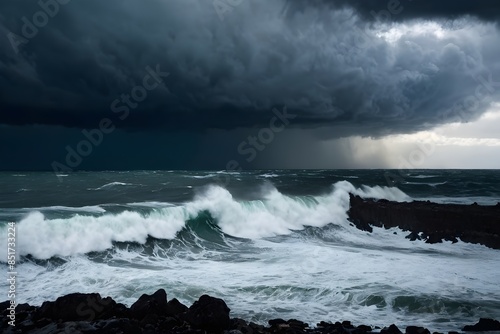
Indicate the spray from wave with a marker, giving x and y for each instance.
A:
(275, 214)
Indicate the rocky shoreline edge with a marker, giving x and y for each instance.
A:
(428, 221)
(90, 313)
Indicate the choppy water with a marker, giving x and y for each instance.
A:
(270, 243)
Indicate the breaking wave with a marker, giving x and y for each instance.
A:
(272, 215)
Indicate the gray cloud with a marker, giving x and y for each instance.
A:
(322, 60)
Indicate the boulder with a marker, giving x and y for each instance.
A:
(392, 329)
(175, 307)
(80, 307)
(150, 304)
(484, 324)
(417, 330)
(208, 313)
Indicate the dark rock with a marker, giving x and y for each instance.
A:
(347, 325)
(324, 324)
(365, 328)
(453, 239)
(233, 331)
(392, 329)
(297, 324)
(168, 323)
(40, 323)
(26, 325)
(413, 236)
(149, 319)
(175, 307)
(276, 322)
(417, 330)
(435, 238)
(150, 304)
(78, 307)
(362, 225)
(471, 223)
(484, 324)
(50, 328)
(125, 326)
(149, 329)
(256, 328)
(361, 329)
(453, 332)
(73, 327)
(241, 325)
(209, 313)
(337, 327)
(24, 308)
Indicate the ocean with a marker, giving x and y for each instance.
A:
(271, 243)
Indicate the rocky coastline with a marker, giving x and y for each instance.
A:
(90, 313)
(429, 221)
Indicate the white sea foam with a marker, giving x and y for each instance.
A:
(275, 214)
(377, 192)
(362, 281)
(201, 176)
(151, 204)
(269, 175)
(90, 209)
(423, 176)
(111, 185)
(333, 273)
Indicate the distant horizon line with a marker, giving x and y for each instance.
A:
(243, 170)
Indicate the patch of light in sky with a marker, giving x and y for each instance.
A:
(393, 33)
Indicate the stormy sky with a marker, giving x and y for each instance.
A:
(224, 84)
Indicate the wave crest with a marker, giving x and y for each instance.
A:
(274, 214)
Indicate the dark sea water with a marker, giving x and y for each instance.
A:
(270, 243)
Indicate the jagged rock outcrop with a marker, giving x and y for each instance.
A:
(430, 221)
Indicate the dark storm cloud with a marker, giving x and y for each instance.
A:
(416, 9)
(319, 59)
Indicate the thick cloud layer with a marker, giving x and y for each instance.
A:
(416, 9)
(331, 64)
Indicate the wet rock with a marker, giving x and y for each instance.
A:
(392, 329)
(168, 323)
(149, 319)
(276, 322)
(294, 323)
(413, 236)
(26, 325)
(125, 326)
(417, 330)
(78, 307)
(347, 325)
(233, 331)
(437, 222)
(362, 329)
(362, 225)
(256, 328)
(149, 304)
(175, 307)
(241, 325)
(208, 313)
(484, 324)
